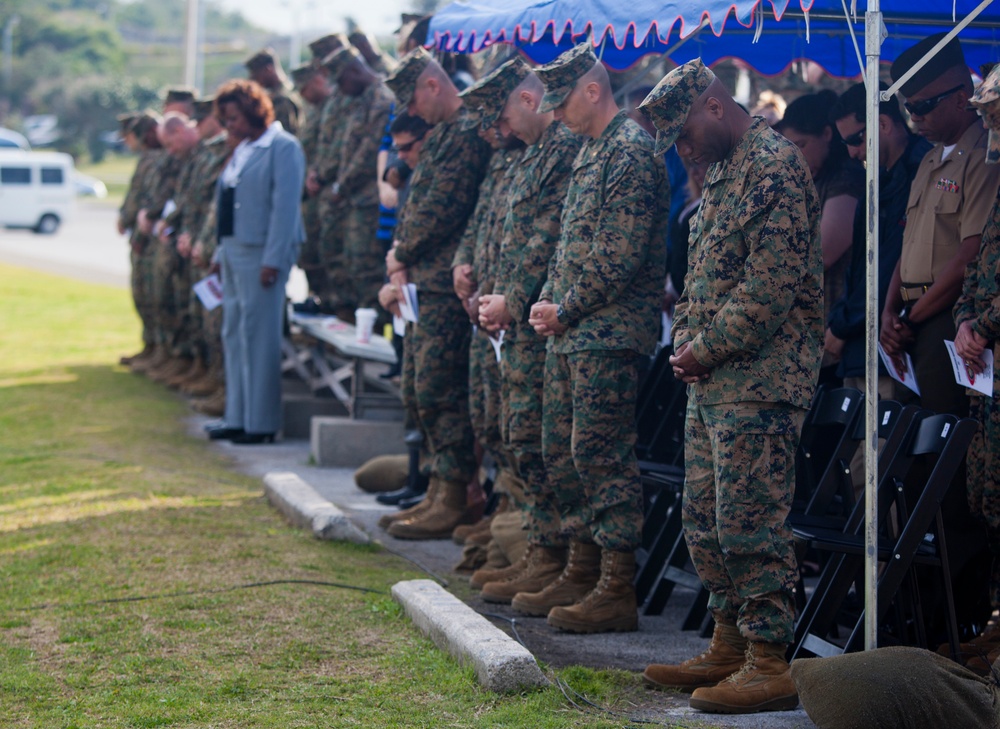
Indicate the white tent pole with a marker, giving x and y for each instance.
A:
(874, 33)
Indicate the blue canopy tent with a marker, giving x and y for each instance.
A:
(769, 35)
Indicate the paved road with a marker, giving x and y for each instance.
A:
(88, 248)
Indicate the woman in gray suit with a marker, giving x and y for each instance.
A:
(260, 232)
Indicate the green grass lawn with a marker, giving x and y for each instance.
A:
(121, 538)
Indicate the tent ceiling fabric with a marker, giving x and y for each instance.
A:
(789, 30)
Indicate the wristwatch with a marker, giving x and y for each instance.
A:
(904, 317)
(561, 316)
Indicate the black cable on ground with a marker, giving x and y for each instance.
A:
(188, 593)
(416, 563)
(589, 706)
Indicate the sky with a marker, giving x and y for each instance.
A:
(317, 17)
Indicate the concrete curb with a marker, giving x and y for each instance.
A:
(501, 663)
(297, 500)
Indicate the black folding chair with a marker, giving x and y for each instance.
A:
(827, 440)
(899, 547)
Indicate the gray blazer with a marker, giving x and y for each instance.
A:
(267, 208)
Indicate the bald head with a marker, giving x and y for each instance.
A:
(178, 134)
(435, 97)
(520, 116)
(590, 106)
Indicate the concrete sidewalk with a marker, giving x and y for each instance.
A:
(659, 638)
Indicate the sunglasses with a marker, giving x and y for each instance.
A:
(925, 107)
(404, 148)
(856, 139)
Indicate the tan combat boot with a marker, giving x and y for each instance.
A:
(193, 373)
(462, 534)
(610, 606)
(127, 359)
(173, 368)
(583, 570)
(763, 683)
(543, 567)
(490, 573)
(214, 404)
(724, 657)
(387, 520)
(158, 357)
(447, 511)
(207, 383)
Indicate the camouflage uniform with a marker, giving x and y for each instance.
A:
(752, 311)
(481, 234)
(359, 135)
(331, 215)
(530, 236)
(607, 278)
(979, 304)
(443, 192)
(208, 239)
(310, 259)
(194, 200)
(165, 260)
(138, 197)
(286, 108)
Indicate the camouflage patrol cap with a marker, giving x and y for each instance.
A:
(179, 95)
(487, 97)
(669, 102)
(301, 74)
(403, 81)
(560, 76)
(986, 101)
(947, 58)
(338, 61)
(203, 108)
(260, 59)
(323, 47)
(144, 123)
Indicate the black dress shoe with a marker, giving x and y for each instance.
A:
(245, 438)
(225, 433)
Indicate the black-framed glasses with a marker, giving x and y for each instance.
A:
(404, 148)
(925, 107)
(856, 139)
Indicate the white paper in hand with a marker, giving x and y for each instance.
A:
(496, 342)
(408, 307)
(906, 378)
(964, 376)
(209, 291)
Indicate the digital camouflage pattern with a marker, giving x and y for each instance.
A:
(327, 44)
(986, 101)
(338, 61)
(739, 480)
(286, 108)
(588, 441)
(560, 75)
(488, 96)
(443, 193)
(164, 256)
(331, 215)
(532, 226)
(435, 384)
(669, 103)
(310, 260)
(607, 275)
(482, 233)
(359, 136)
(193, 209)
(138, 196)
(610, 264)
(530, 235)
(211, 321)
(979, 304)
(752, 306)
(403, 80)
(752, 311)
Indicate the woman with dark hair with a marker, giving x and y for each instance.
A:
(260, 231)
(840, 182)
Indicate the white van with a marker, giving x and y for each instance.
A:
(36, 190)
